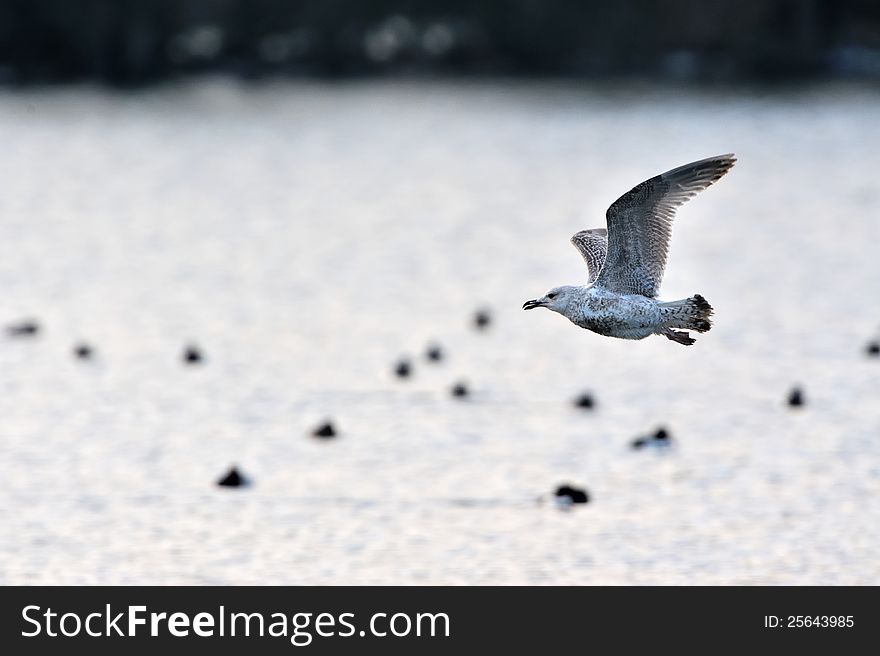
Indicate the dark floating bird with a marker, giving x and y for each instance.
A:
(233, 478)
(659, 439)
(459, 391)
(83, 351)
(403, 369)
(192, 355)
(23, 329)
(873, 349)
(585, 401)
(796, 398)
(482, 319)
(325, 430)
(566, 494)
(434, 353)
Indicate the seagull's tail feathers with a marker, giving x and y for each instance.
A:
(692, 313)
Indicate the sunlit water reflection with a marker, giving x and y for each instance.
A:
(308, 235)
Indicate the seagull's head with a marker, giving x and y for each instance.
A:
(557, 299)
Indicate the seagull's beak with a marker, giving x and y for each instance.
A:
(531, 305)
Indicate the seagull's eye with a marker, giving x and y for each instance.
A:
(551, 296)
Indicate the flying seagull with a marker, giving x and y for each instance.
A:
(626, 262)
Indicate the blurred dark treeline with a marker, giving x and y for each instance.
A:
(131, 42)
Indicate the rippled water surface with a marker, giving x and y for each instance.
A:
(307, 235)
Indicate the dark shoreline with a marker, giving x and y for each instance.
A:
(133, 43)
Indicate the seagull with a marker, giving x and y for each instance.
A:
(627, 260)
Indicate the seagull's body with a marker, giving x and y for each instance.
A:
(629, 316)
(627, 261)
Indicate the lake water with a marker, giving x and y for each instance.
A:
(307, 235)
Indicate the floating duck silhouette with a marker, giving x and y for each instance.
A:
(23, 329)
(192, 355)
(325, 430)
(482, 319)
(585, 401)
(434, 353)
(459, 390)
(403, 369)
(233, 478)
(567, 495)
(659, 439)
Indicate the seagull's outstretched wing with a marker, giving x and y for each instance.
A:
(593, 246)
(640, 224)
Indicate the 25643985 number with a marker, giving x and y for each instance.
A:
(820, 621)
